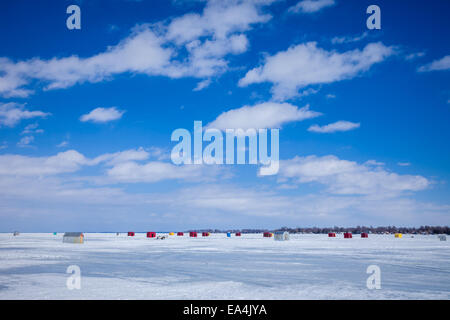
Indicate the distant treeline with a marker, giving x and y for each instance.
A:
(355, 230)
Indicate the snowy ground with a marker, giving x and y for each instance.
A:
(33, 266)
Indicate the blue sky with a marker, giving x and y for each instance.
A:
(86, 115)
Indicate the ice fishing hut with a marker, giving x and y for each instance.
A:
(238, 234)
(398, 235)
(229, 234)
(73, 237)
(171, 233)
(130, 233)
(193, 234)
(205, 234)
(331, 235)
(281, 236)
(267, 234)
(442, 237)
(180, 234)
(16, 233)
(151, 234)
(348, 235)
(364, 235)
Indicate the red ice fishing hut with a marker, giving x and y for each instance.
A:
(130, 234)
(151, 234)
(180, 234)
(193, 234)
(332, 235)
(238, 234)
(364, 235)
(205, 234)
(347, 235)
(267, 234)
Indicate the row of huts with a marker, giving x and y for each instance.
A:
(280, 235)
(78, 237)
(348, 235)
(193, 234)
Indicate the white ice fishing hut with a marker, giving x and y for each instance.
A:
(73, 237)
(281, 236)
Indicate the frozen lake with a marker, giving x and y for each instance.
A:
(33, 266)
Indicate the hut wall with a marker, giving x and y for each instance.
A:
(73, 239)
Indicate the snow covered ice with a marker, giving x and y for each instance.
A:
(33, 266)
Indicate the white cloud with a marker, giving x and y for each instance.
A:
(310, 6)
(122, 156)
(17, 165)
(202, 85)
(25, 141)
(267, 115)
(32, 129)
(437, 65)
(404, 164)
(307, 92)
(12, 113)
(129, 166)
(206, 59)
(193, 45)
(219, 18)
(102, 115)
(306, 64)
(374, 163)
(348, 39)
(334, 127)
(349, 177)
(152, 171)
(235, 199)
(413, 56)
(63, 162)
(225, 200)
(141, 52)
(210, 36)
(62, 144)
